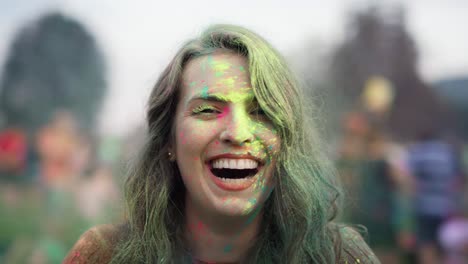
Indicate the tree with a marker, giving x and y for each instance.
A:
(378, 44)
(54, 64)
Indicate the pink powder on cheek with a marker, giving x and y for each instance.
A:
(182, 138)
(224, 112)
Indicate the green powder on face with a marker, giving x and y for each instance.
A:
(204, 92)
(219, 67)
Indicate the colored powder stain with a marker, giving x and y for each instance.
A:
(227, 248)
(182, 138)
(204, 92)
(248, 206)
(227, 82)
(219, 67)
(196, 158)
(209, 60)
(252, 217)
(235, 95)
(224, 112)
(241, 68)
(227, 201)
(192, 84)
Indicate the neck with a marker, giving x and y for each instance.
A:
(215, 238)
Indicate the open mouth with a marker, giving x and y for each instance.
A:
(234, 168)
(234, 173)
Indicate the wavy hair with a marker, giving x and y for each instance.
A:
(297, 219)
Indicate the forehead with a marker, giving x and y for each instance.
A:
(216, 65)
(221, 73)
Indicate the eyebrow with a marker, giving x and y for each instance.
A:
(219, 98)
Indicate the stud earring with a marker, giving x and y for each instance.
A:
(170, 156)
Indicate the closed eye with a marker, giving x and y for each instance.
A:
(205, 109)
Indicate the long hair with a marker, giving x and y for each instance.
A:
(296, 225)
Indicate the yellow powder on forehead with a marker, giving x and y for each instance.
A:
(226, 82)
(244, 94)
(220, 67)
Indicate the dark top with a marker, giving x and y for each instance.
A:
(97, 245)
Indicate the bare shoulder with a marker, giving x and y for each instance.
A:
(354, 249)
(95, 246)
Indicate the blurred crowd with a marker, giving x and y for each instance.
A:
(57, 178)
(55, 185)
(411, 196)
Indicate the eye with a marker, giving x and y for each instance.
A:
(205, 110)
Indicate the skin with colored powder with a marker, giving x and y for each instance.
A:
(221, 117)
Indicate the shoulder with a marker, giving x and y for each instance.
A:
(96, 245)
(353, 248)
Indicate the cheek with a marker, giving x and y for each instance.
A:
(193, 136)
(270, 141)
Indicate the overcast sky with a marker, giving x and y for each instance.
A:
(139, 38)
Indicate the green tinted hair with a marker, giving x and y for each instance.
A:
(297, 215)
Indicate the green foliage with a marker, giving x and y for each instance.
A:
(54, 64)
(378, 44)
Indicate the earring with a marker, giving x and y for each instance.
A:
(170, 156)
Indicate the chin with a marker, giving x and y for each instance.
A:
(240, 206)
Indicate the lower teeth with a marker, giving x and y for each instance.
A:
(232, 180)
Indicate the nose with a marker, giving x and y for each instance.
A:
(238, 129)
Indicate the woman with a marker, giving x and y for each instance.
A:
(230, 172)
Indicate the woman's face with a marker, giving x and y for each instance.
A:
(225, 146)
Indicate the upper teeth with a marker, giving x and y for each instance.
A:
(239, 164)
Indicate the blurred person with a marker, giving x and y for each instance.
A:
(97, 193)
(371, 178)
(403, 216)
(56, 143)
(229, 173)
(435, 166)
(62, 158)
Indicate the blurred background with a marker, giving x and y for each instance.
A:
(389, 79)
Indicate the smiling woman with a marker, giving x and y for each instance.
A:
(231, 171)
